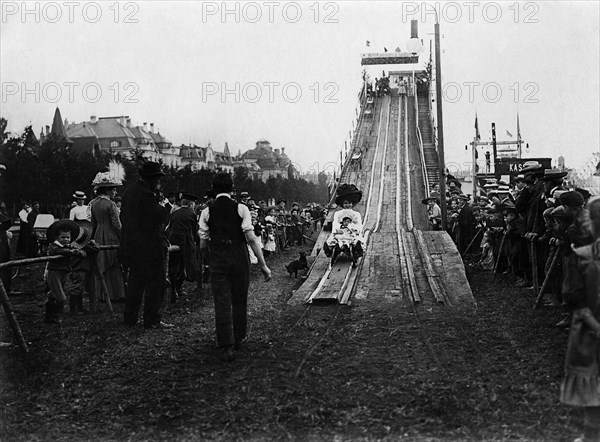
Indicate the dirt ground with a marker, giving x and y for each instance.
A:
(361, 372)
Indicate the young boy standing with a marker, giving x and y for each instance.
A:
(66, 276)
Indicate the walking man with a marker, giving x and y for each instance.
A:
(183, 232)
(226, 229)
(143, 247)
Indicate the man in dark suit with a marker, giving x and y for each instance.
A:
(226, 229)
(182, 231)
(466, 223)
(143, 248)
(32, 243)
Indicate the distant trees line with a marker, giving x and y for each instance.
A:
(51, 173)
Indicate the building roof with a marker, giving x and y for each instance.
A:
(158, 138)
(58, 129)
(141, 134)
(103, 128)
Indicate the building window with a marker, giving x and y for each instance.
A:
(115, 144)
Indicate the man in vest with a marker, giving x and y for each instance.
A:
(226, 229)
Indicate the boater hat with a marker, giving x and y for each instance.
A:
(532, 167)
(554, 174)
(79, 195)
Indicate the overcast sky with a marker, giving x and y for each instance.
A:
(292, 70)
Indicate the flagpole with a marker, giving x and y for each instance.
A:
(519, 152)
(474, 162)
(440, 125)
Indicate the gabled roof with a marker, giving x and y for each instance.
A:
(140, 134)
(192, 153)
(104, 128)
(158, 138)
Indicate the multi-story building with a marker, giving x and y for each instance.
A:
(263, 162)
(117, 135)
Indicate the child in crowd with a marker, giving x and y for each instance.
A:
(581, 289)
(66, 276)
(487, 256)
(269, 238)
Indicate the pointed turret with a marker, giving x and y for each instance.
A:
(226, 150)
(58, 132)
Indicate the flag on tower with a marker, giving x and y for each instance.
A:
(477, 136)
(368, 43)
(508, 133)
(518, 129)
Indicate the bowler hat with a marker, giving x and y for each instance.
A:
(79, 195)
(464, 197)
(584, 193)
(571, 199)
(151, 169)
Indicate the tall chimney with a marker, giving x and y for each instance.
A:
(283, 151)
(145, 125)
(128, 122)
(93, 119)
(151, 127)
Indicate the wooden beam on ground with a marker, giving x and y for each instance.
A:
(12, 319)
(430, 271)
(408, 274)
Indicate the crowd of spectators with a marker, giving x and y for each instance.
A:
(524, 229)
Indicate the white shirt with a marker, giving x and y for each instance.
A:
(79, 213)
(243, 212)
(23, 214)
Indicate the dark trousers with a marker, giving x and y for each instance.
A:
(229, 279)
(146, 280)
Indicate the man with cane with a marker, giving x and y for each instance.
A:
(531, 200)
